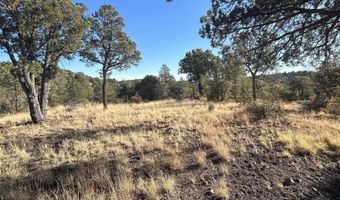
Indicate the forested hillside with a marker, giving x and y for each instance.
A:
(70, 88)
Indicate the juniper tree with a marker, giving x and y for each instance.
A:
(36, 34)
(166, 79)
(297, 27)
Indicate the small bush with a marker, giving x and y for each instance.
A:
(333, 107)
(71, 106)
(211, 107)
(316, 104)
(264, 110)
(136, 99)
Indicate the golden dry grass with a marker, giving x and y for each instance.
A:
(139, 149)
(159, 133)
(307, 133)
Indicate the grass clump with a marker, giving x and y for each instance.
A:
(264, 110)
(310, 144)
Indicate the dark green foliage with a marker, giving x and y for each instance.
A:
(327, 89)
(301, 88)
(327, 80)
(149, 88)
(179, 90)
(12, 99)
(264, 110)
(108, 45)
(166, 80)
(197, 64)
(36, 34)
(80, 89)
(298, 28)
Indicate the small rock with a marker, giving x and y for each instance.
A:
(288, 182)
(169, 131)
(297, 180)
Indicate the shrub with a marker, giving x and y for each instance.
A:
(316, 104)
(264, 110)
(136, 99)
(333, 107)
(211, 107)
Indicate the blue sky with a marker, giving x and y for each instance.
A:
(163, 31)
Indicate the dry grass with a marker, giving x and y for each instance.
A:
(201, 157)
(148, 139)
(221, 188)
(139, 150)
(307, 133)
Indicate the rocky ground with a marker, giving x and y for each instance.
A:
(260, 172)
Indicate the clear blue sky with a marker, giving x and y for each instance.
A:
(163, 31)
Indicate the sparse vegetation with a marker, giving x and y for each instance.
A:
(233, 129)
(78, 146)
(264, 110)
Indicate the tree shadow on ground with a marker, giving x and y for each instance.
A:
(328, 186)
(73, 177)
(57, 138)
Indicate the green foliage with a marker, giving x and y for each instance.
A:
(12, 99)
(179, 90)
(298, 28)
(126, 90)
(197, 65)
(149, 88)
(264, 110)
(301, 88)
(333, 106)
(36, 34)
(79, 89)
(107, 44)
(166, 80)
(327, 89)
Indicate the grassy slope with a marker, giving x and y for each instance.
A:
(159, 150)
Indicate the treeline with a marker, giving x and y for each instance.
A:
(36, 36)
(72, 88)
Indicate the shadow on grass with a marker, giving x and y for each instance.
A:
(56, 138)
(74, 178)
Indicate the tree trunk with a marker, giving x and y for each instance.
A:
(253, 76)
(44, 92)
(200, 87)
(104, 90)
(35, 112)
(27, 82)
(16, 98)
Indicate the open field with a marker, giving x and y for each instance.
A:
(169, 150)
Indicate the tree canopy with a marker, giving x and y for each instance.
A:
(196, 64)
(108, 45)
(298, 28)
(36, 34)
